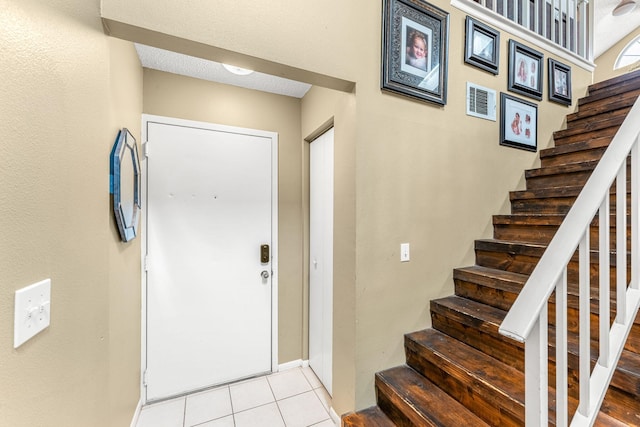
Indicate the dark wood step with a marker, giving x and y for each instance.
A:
(577, 152)
(500, 289)
(554, 200)
(477, 324)
(523, 257)
(530, 228)
(370, 417)
(605, 105)
(610, 89)
(410, 399)
(491, 389)
(621, 79)
(590, 126)
(596, 122)
(575, 174)
(563, 137)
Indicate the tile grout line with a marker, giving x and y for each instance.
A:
(276, 400)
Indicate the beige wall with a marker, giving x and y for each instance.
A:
(606, 61)
(63, 99)
(187, 98)
(420, 173)
(321, 108)
(405, 172)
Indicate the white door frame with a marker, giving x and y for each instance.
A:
(146, 118)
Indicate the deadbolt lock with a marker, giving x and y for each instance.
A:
(264, 254)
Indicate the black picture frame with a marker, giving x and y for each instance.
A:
(404, 70)
(518, 123)
(559, 82)
(525, 70)
(482, 46)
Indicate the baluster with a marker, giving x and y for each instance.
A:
(585, 338)
(536, 380)
(605, 283)
(562, 410)
(635, 216)
(621, 245)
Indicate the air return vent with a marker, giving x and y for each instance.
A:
(481, 102)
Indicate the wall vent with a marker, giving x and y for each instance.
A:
(481, 102)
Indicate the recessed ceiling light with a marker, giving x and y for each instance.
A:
(625, 6)
(237, 70)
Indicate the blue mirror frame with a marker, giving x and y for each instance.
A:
(125, 184)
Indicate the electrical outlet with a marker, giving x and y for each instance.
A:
(32, 311)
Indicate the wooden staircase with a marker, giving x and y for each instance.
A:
(462, 372)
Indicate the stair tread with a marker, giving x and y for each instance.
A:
(588, 144)
(369, 417)
(585, 166)
(611, 124)
(614, 81)
(429, 403)
(498, 376)
(488, 320)
(604, 105)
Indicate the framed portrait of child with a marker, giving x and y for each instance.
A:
(414, 50)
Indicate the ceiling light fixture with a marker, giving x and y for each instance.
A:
(624, 7)
(237, 70)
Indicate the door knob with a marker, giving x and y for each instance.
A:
(264, 274)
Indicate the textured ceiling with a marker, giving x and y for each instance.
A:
(609, 30)
(177, 63)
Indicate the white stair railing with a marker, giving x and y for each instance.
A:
(527, 320)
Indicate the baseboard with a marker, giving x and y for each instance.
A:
(335, 417)
(136, 414)
(290, 365)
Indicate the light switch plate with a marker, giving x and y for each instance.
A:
(32, 311)
(405, 255)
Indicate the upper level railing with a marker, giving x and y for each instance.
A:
(565, 23)
(527, 321)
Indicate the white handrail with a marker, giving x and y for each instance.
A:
(529, 312)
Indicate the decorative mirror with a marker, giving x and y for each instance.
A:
(125, 184)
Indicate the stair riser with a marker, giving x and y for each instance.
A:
(395, 408)
(573, 157)
(543, 234)
(601, 121)
(609, 93)
(558, 180)
(484, 401)
(504, 300)
(508, 259)
(487, 339)
(603, 106)
(541, 178)
(551, 205)
(560, 138)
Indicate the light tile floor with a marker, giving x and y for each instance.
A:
(291, 398)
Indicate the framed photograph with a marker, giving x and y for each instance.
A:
(559, 82)
(482, 46)
(518, 123)
(414, 50)
(525, 70)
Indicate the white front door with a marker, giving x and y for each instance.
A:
(210, 209)
(321, 258)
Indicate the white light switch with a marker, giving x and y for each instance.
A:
(32, 311)
(404, 252)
